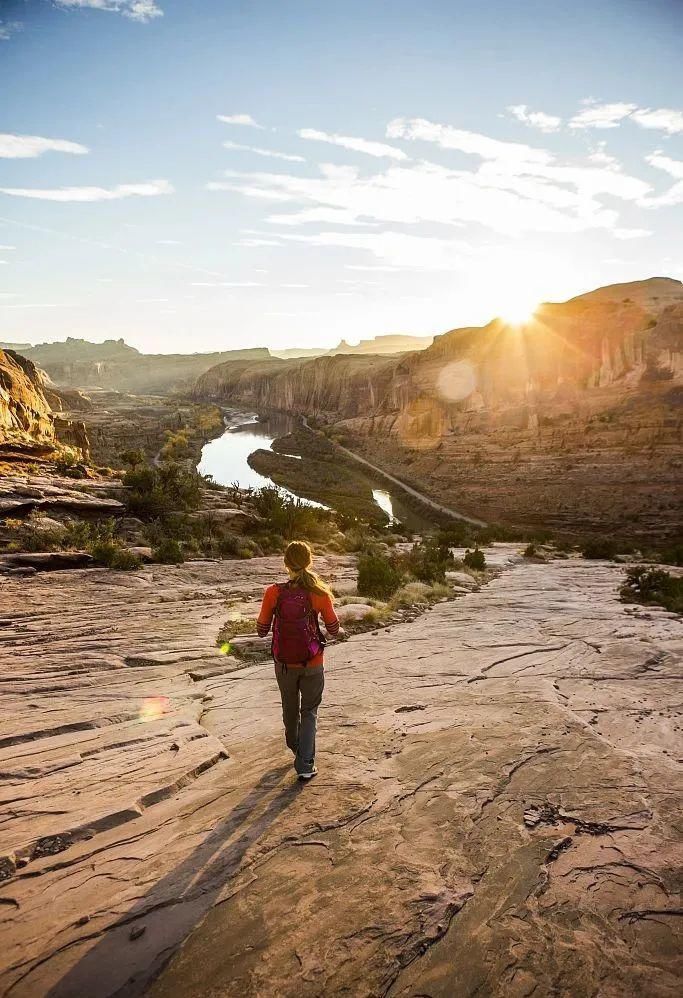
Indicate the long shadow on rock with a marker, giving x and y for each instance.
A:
(135, 949)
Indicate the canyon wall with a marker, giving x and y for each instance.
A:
(29, 428)
(571, 421)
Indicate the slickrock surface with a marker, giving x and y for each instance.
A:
(496, 810)
(21, 493)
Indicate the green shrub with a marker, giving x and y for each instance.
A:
(112, 555)
(429, 560)
(673, 554)
(599, 548)
(155, 491)
(168, 552)
(132, 457)
(291, 517)
(475, 559)
(653, 586)
(377, 576)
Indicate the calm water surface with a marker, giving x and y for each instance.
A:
(226, 457)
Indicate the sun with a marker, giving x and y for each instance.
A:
(518, 311)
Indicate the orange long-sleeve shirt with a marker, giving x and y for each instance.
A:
(322, 606)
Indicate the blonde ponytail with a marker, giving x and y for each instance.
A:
(298, 558)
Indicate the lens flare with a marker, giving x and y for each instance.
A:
(153, 708)
(456, 381)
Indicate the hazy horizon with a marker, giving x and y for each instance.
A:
(202, 177)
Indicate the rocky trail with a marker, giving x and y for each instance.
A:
(497, 809)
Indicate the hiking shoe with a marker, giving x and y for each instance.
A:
(309, 774)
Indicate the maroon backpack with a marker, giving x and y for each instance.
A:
(296, 634)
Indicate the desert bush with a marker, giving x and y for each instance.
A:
(429, 560)
(132, 457)
(232, 628)
(456, 534)
(530, 551)
(357, 537)
(85, 533)
(168, 552)
(154, 491)
(377, 576)
(291, 517)
(475, 559)
(653, 586)
(177, 445)
(112, 555)
(672, 554)
(598, 548)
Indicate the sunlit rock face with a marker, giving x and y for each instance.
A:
(28, 424)
(25, 415)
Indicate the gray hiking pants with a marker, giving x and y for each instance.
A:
(301, 691)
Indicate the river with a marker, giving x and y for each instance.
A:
(225, 458)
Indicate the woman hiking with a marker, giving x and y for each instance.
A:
(294, 609)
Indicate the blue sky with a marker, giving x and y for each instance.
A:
(208, 174)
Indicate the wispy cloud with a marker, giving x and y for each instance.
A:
(508, 196)
(252, 243)
(239, 119)
(3, 248)
(40, 305)
(326, 216)
(663, 118)
(83, 194)
(240, 188)
(9, 28)
(631, 233)
(225, 284)
(378, 149)
(419, 129)
(535, 119)
(674, 167)
(136, 10)
(596, 115)
(264, 152)
(396, 249)
(30, 146)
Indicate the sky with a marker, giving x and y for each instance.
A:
(197, 175)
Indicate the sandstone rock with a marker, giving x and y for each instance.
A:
(353, 611)
(462, 579)
(47, 561)
(237, 519)
(141, 551)
(436, 739)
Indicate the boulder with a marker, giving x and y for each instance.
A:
(142, 552)
(353, 611)
(237, 519)
(46, 561)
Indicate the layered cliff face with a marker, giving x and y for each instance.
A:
(571, 420)
(26, 421)
(28, 425)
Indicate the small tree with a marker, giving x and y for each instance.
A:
(475, 559)
(377, 576)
